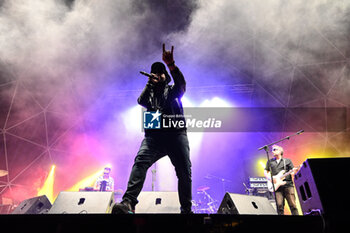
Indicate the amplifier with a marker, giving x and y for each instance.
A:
(83, 202)
(257, 182)
(158, 202)
(257, 179)
(243, 204)
(34, 205)
(258, 185)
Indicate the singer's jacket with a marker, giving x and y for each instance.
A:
(166, 99)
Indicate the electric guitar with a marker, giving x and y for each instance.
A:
(279, 179)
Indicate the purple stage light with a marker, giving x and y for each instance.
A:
(215, 102)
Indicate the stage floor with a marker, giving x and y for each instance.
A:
(165, 223)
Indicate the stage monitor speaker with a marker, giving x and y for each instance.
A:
(321, 185)
(158, 202)
(244, 204)
(83, 203)
(35, 205)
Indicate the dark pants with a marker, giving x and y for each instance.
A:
(154, 147)
(288, 194)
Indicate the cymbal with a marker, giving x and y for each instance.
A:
(3, 173)
(203, 188)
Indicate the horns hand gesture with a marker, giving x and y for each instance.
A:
(168, 56)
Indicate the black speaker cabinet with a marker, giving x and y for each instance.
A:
(83, 202)
(245, 204)
(322, 185)
(158, 202)
(35, 205)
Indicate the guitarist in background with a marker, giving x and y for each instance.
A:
(286, 191)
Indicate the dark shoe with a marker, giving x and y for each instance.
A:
(186, 211)
(123, 207)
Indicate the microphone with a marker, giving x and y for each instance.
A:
(246, 188)
(300, 132)
(146, 74)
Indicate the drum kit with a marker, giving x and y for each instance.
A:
(205, 204)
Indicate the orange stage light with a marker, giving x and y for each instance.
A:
(47, 188)
(87, 181)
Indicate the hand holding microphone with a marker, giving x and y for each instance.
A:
(151, 77)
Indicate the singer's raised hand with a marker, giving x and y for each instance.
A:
(168, 56)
